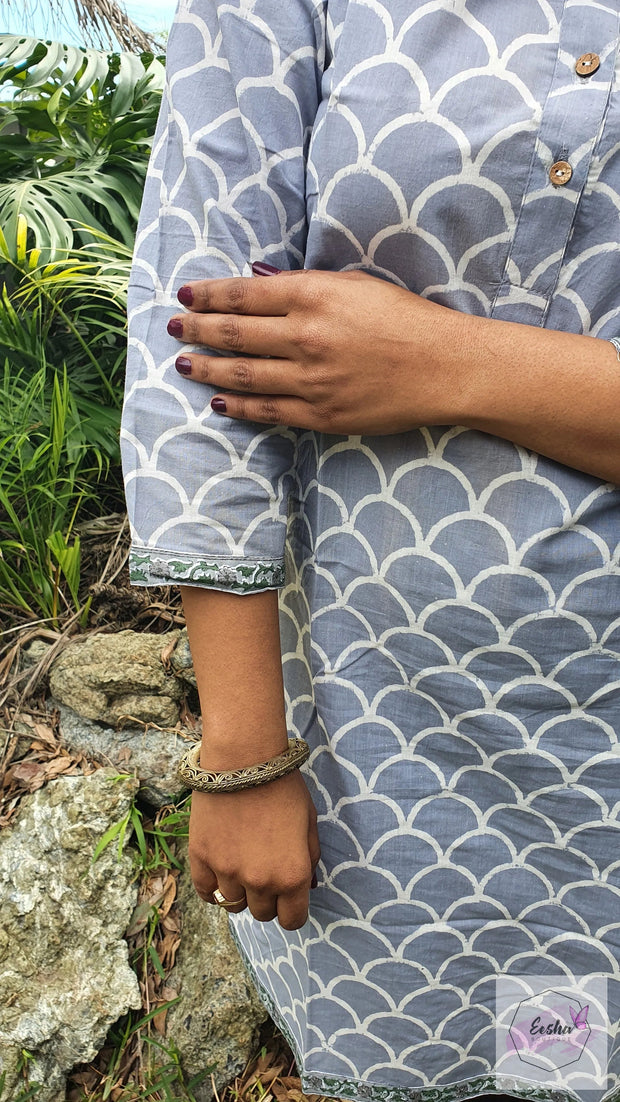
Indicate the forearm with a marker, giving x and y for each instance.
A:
(555, 393)
(235, 645)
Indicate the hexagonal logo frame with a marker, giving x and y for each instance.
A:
(550, 1029)
(554, 1031)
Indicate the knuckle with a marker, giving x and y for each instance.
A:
(258, 882)
(203, 891)
(294, 880)
(237, 295)
(268, 410)
(330, 414)
(196, 853)
(243, 375)
(230, 332)
(311, 289)
(226, 870)
(310, 341)
(202, 295)
(190, 328)
(201, 368)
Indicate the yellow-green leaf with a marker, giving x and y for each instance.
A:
(21, 237)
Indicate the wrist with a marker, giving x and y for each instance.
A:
(444, 359)
(235, 749)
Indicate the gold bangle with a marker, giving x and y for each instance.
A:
(230, 780)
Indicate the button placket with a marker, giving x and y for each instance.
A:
(572, 115)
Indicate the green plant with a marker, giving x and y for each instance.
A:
(30, 1090)
(76, 129)
(46, 469)
(165, 1079)
(77, 305)
(174, 824)
(74, 141)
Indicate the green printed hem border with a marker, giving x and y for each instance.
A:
(242, 576)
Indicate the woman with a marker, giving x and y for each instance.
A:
(393, 464)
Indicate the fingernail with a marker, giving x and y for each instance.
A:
(186, 296)
(175, 327)
(260, 268)
(314, 882)
(219, 405)
(183, 365)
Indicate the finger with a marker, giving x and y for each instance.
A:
(234, 891)
(271, 376)
(260, 336)
(203, 879)
(271, 297)
(267, 409)
(293, 907)
(262, 903)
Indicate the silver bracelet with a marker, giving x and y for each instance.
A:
(616, 343)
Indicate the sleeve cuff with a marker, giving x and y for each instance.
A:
(148, 567)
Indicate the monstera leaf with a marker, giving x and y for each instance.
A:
(75, 138)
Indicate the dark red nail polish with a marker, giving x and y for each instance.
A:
(219, 405)
(314, 882)
(186, 296)
(183, 365)
(175, 327)
(260, 268)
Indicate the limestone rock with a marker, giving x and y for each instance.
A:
(219, 1013)
(152, 755)
(64, 971)
(34, 652)
(119, 678)
(182, 662)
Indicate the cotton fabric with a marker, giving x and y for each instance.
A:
(449, 601)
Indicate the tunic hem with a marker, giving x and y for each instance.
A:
(338, 1086)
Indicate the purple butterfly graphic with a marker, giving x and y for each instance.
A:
(580, 1020)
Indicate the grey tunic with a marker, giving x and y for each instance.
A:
(450, 602)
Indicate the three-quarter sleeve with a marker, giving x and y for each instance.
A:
(206, 495)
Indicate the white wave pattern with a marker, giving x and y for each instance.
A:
(450, 602)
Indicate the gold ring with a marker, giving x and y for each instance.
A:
(223, 902)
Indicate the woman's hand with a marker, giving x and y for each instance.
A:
(262, 841)
(346, 352)
(356, 355)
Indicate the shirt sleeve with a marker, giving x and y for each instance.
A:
(207, 496)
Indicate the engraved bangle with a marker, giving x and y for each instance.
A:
(231, 780)
(616, 343)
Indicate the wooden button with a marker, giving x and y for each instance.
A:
(587, 64)
(560, 173)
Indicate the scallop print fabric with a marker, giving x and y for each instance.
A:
(449, 602)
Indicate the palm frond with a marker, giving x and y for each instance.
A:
(105, 24)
